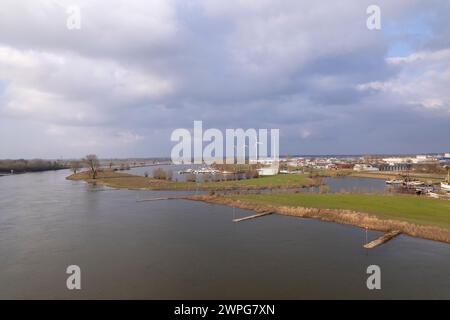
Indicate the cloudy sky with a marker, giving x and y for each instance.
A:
(137, 70)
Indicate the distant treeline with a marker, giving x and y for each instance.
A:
(19, 166)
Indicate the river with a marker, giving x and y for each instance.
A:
(186, 250)
(338, 184)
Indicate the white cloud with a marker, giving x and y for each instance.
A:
(424, 80)
(71, 89)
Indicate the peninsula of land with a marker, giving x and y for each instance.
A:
(416, 216)
(121, 180)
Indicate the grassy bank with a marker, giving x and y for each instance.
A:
(413, 209)
(127, 181)
(416, 216)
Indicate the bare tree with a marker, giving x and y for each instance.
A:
(93, 164)
(191, 177)
(251, 173)
(159, 174)
(75, 166)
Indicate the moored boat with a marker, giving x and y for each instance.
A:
(414, 183)
(445, 186)
(186, 171)
(433, 195)
(394, 181)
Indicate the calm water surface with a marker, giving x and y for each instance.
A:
(356, 184)
(338, 184)
(181, 249)
(141, 171)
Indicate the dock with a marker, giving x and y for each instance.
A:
(384, 238)
(161, 198)
(253, 216)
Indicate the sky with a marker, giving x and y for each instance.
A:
(137, 70)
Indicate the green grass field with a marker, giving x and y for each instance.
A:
(414, 209)
(273, 181)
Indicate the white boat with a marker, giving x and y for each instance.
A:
(270, 171)
(424, 189)
(394, 181)
(433, 195)
(445, 186)
(414, 183)
(205, 170)
(186, 171)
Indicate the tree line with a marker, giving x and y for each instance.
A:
(35, 165)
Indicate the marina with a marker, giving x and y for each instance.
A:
(203, 170)
(445, 185)
(434, 190)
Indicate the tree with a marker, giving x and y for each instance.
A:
(252, 173)
(169, 175)
(93, 164)
(159, 174)
(191, 177)
(75, 166)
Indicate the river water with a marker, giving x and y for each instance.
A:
(186, 250)
(338, 184)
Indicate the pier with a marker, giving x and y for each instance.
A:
(384, 238)
(161, 198)
(253, 216)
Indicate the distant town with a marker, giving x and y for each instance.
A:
(370, 162)
(364, 163)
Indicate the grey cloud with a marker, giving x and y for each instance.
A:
(139, 69)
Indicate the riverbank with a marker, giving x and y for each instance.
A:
(127, 181)
(414, 216)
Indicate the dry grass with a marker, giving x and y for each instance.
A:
(350, 217)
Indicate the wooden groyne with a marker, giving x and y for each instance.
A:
(161, 198)
(348, 217)
(384, 238)
(253, 216)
